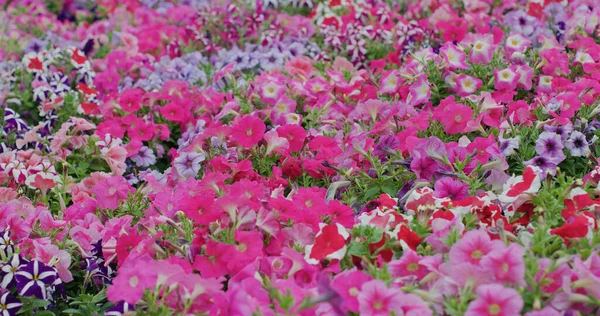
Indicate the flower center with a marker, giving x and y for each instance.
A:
(353, 291)
(242, 247)
(112, 191)
(458, 118)
(477, 254)
(377, 305)
(133, 281)
(249, 132)
(412, 267)
(494, 309)
(505, 267)
(478, 46)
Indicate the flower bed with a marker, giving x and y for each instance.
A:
(298, 157)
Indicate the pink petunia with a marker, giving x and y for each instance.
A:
(507, 264)
(131, 282)
(248, 131)
(110, 191)
(453, 56)
(466, 85)
(295, 134)
(348, 285)
(471, 248)
(495, 300)
(453, 116)
(506, 79)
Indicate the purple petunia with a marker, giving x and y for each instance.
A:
(119, 309)
(9, 305)
(509, 145)
(7, 247)
(578, 145)
(547, 165)
(10, 269)
(34, 278)
(188, 163)
(550, 145)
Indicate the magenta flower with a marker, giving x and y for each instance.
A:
(248, 131)
(131, 281)
(347, 285)
(110, 191)
(495, 300)
(448, 187)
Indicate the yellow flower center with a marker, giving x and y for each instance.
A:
(133, 282)
(476, 254)
(377, 305)
(412, 267)
(494, 309)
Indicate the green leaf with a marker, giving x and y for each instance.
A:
(390, 189)
(371, 192)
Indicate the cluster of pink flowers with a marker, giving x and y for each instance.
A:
(293, 157)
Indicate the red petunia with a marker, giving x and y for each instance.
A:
(330, 243)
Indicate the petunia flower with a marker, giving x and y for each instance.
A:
(577, 144)
(188, 163)
(466, 85)
(9, 305)
(248, 131)
(506, 79)
(495, 299)
(550, 145)
(471, 248)
(110, 191)
(454, 56)
(507, 264)
(132, 280)
(348, 285)
(509, 145)
(330, 243)
(33, 279)
(120, 309)
(10, 269)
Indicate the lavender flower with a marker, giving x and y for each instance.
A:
(144, 158)
(33, 279)
(547, 165)
(562, 130)
(271, 60)
(550, 145)
(9, 305)
(519, 21)
(509, 145)
(578, 145)
(188, 163)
